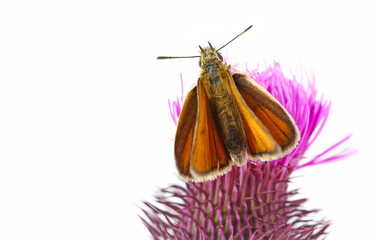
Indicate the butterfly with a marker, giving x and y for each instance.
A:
(226, 119)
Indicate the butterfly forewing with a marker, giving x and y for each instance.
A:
(184, 134)
(269, 111)
(261, 144)
(209, 157)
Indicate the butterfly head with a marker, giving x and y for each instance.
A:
(209, 55)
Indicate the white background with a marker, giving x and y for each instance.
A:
(85, 131)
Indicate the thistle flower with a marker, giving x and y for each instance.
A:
(251, 201)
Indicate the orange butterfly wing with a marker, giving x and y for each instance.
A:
(199, 151)
(261, 144)
(209, 157)
(270, 113)
(184, 134)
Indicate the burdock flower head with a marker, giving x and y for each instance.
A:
(251, 201)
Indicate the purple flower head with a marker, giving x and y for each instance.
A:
(251, 201)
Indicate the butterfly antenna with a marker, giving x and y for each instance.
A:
(167, 57)
(235, 38)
